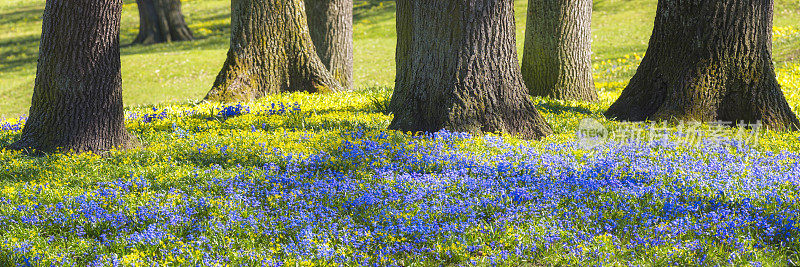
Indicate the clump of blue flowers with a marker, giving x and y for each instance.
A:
(233, 111)
(149, 115)
(283, 108)
(12, 127)
(155, 115)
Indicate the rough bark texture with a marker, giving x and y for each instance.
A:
(331, 26)
(161, 21)
(457, 69)
(708, 61)
(271, 52)
(557, 60)
(77, 97)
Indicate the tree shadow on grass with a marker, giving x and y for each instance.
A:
(19, 52)
(21, 173)
(22, 15)
(218, 38)
(367, 8)
(559, 108)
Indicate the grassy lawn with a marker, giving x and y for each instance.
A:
(302, 179)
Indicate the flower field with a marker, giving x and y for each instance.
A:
(318, 180)
(303, 179)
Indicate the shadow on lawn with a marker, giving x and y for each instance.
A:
(217, 38)
(20, 52)
(22, 15)
(367, 8)
(23, 51)
(558, 108)
(21, 174)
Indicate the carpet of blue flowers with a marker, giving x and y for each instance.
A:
(302, 179)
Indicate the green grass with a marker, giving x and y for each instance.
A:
(181, 71)
(151, 74)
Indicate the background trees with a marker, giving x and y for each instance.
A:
(557, 60)
(331, 25)
(161, 21)
(457, 69)
(77, 98)
(708, 61)
(270, 52)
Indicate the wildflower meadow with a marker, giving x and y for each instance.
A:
(301, 179)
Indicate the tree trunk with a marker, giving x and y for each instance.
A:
(708, 61)
(271, 52)
(457, 69)
(331, 26)
(557, 60)
(161, 21)
(77, 96)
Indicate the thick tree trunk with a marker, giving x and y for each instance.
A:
(271, 52)
(331, 26)
(77, 96)
(708, 61)
(161, 21)
(457, 69)
(557, 60)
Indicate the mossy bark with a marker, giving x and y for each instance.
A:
(457, 69)
(708, 61)
(331, 26)
(270, 52)
(77, 95)
(161, 21)
(557, 60)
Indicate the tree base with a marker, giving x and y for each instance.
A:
(708, 61)
(458, 70)
(557, 59)
(270, 53)
(698, 97)
(161, 21)
(242, 83)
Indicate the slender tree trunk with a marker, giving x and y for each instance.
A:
(331, 26)
(457, 69)
(708, 61)
(557, 60)
(161, 21)
(77, 96)
(271, 52)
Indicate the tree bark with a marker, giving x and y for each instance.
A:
(457, 69)
(77, 96)
(271, 52)
(708, 61)
(557, 60)
(331, 26)
(161, 21)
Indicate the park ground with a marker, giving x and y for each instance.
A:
(302, 179)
